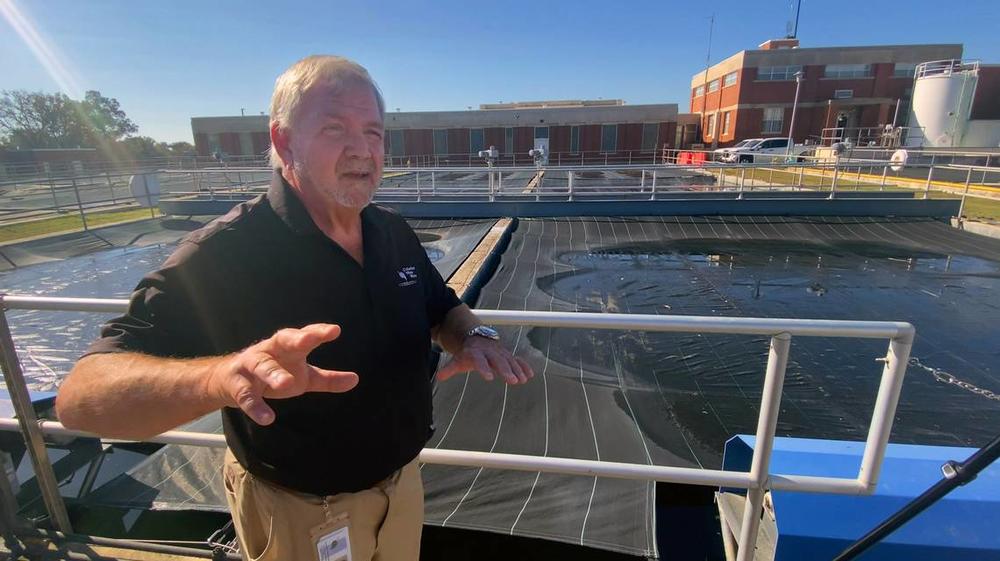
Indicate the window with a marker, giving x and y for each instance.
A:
(725, 122)
(713, 86)
(771, 73)
(773, 143)
(475, 140)
(710, 129)
(396, 146)
(574, 139)
(441, 141)
(773, 117)
(699, 91)
(650, 133)
(609, 138)
(847, 71)
(729, 80)
(903, 70)
(843, 94)
(214, 146)
(541, 132)
(508, 140)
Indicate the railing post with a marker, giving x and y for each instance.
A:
(417, 174)
(930, 174)
(893, 372)
(111, 187)
(570, 185)
(79, 205)
(965, 194)
(653, 194)
(433, 184)
(52, 188)
(145, 188)
(885, 169)
(642, 181)
(770, 404)
(984, 168)
(18, 390)
(802, 168)
(836, 173)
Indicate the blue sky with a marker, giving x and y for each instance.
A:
(169, 60)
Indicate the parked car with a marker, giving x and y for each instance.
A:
(761, 150)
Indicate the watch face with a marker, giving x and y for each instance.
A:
(488, 332)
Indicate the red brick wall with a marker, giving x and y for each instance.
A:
(559, 139)
(590, 138)
(524, 140)
(629, 137)
(261, 142)
(418, 142)
(458, 141)
(493, 136)
(201, 144)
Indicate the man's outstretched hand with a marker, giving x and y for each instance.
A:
(276, 368)
(490, 359)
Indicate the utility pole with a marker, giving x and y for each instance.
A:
(704, 86)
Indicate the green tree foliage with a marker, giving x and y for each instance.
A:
(39, 120)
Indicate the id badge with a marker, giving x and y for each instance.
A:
(333, 540)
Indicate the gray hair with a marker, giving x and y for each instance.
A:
(306, 73)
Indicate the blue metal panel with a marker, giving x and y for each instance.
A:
(963, 525)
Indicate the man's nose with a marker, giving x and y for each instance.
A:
(355, 144)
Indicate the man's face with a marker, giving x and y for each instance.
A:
(336, 144)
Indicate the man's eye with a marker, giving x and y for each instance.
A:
(375, 133)
(333, 128)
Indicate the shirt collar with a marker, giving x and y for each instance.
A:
(286, 204)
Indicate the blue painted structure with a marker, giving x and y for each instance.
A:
(963, 525)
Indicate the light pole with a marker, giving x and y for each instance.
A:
(795, 106)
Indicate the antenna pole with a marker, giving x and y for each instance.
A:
(795, 29)
(704, 86)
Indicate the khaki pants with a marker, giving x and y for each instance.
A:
(273, 523)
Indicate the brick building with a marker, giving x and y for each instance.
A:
(751, 93)
(568, 129)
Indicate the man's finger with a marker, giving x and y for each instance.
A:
(271, 373)
(515, 367)
(483, 366)
(525, 367)
(252, 403)
(335, 381)
(453, 367)
(500, 366)
(306, 339)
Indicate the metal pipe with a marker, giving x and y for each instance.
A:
(79, 205)
(767, 420)
(703, 324)
(28, 425)
(955, 475)
(134, 545)
(965, 195)
(893, 372)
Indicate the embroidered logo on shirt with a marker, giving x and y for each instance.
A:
(407, 275)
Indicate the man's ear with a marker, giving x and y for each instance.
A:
(282, 142)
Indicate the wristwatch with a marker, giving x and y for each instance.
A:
(484, 331)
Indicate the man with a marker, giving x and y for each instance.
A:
(306, 315)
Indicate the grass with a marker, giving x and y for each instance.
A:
(69, 223)
(976, 208)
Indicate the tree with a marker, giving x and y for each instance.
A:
(104, 117)
(39, 120)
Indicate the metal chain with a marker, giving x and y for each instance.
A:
(942, 376)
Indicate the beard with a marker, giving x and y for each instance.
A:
(350, 193)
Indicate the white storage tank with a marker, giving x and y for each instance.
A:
(942, 100)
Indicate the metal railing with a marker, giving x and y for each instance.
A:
(757, 481)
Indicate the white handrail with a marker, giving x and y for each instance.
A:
(757, 481)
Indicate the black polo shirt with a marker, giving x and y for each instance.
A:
(265, 266)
